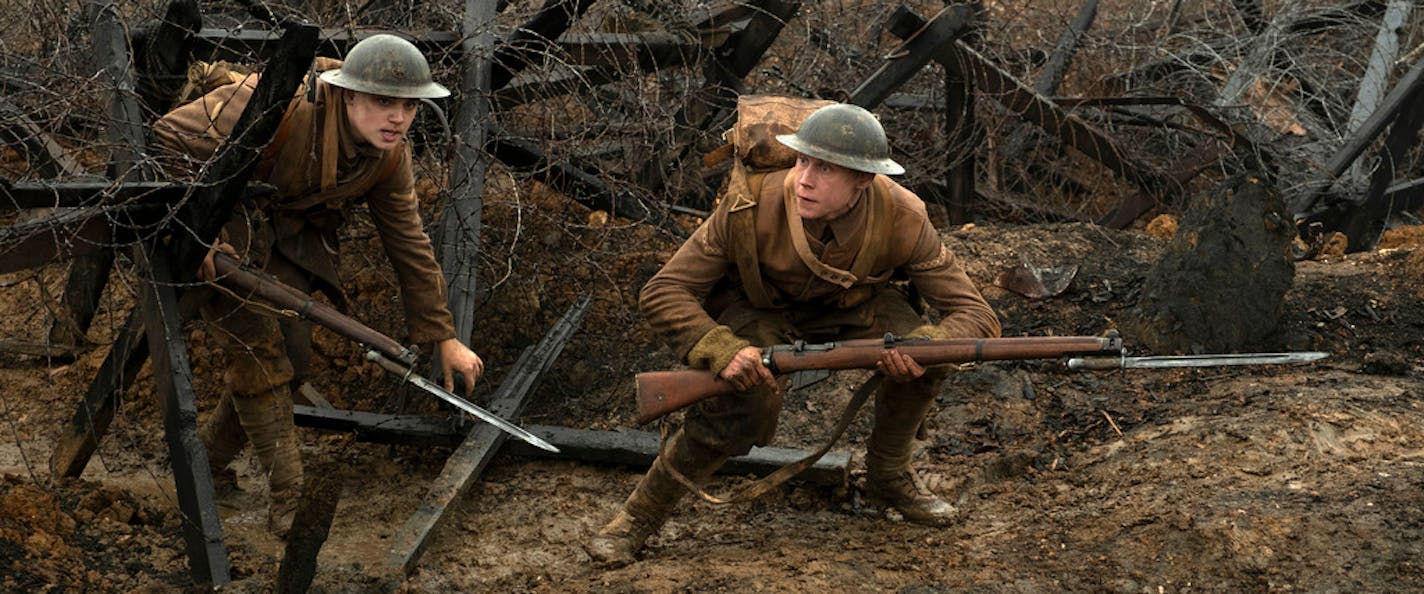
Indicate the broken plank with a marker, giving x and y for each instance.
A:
(526, 44)
(80, 438)
(45, 156)
(1397, 98)
(480, 445)
(631, 448)
(1021, 100)
(912, 55)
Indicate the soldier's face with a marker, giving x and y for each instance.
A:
(379, 120)
(824, 190)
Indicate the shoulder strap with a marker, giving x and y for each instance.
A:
(269, 154)
(744, 191)
(771, 481)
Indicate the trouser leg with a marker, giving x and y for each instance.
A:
(899, 410)
(224, 438)
(652, 502)
(257, 377)
(267, 420)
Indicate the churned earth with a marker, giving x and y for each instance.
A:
(1227, 479)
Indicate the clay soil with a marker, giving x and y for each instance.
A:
(1276, 478)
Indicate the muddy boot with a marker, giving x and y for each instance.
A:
(618, 543)
(899, 409)
(224, 438)
(267, 419)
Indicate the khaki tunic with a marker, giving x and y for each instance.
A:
(317, 168)
(305, 214)
(819, 275)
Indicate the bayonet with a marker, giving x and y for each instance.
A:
(469, 407)
(1194, 360)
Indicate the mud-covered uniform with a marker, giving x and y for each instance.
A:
(317, 166)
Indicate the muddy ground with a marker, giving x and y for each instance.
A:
(1280, 478)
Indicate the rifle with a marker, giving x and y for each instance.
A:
(382, 350)
(662, 392)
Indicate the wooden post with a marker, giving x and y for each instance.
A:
(202, 526)
(459, 242)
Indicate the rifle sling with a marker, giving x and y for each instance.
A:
(771, 481)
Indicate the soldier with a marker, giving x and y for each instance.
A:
(809, 255)
(345, 143)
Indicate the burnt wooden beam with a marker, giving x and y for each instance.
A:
(917, 50)
(960, 128)
(624, 447)
(481, 443)
(753, 32)
(525, 157)
(61, 236)
(1363, 224)
(527, 43)
(1057, 66)
(89, 272)
(80, 438)
(650, 50)
(1398, 97)
(1020, 100)
(162, 54)
(1052, 73)
(458, 245)
(251, 45)
(89, 192)
(172, 373)
(45, 156)
(553, 85)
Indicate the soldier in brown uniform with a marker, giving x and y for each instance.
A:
(811, 256)
(345, 143)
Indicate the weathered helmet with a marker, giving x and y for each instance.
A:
(846, 135)
(386, 65)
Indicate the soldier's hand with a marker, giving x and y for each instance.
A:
(899, 367)
(745, 371)
(207, 270)
(455, 358)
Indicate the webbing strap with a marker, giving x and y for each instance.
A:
(771, 481)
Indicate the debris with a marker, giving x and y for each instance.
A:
(1036, 283)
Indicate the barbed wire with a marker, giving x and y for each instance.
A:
(641, 130)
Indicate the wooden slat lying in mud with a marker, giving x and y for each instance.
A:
(625, 447)
(481, 443)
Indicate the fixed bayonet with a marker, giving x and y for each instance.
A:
(1193, 360)
(460, 403)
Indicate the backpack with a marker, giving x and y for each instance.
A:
(206, 77)
(755, 152)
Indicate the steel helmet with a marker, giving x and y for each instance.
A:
(846, 135)
(386, 65)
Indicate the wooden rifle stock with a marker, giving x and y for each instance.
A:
(662, 392)
(245, 283)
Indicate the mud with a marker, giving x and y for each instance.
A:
(1280, 478)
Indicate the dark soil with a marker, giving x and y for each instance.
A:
(1272, 478)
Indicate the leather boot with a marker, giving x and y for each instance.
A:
(899, 410)
(222, 435)
(645, 511)
(267, 419)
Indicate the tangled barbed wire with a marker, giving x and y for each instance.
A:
(630, 97)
